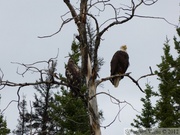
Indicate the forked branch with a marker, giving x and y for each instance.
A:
(116, 102)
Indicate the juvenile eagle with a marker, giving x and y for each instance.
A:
(73, 75)
(119, 65)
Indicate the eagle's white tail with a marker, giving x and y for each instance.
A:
(116, 81)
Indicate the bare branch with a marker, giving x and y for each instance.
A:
(72, 10)
(8, 106)
(114, 117)
(29, 67)
(110, 77)
(149, 2)
(116, 18)
(112, 97)
(136, 82)
(64, 22)
(96, 3)
(13, 84)
(33, 68)
(151, 74)
(159, 18)
(118, 102)
(127, 75)
(18, 105)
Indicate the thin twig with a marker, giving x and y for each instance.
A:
(118, 103)
(66, 21)
(153, 17)
(8, 106)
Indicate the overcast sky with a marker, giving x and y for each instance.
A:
(22, 21)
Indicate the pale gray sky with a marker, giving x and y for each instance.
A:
(22, 21)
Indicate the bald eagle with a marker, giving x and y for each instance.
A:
(73, 75)
(119, 65)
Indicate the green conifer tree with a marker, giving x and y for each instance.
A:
(41, 123)
(37, 120)
(70, 115)
(169, 88)
(3, 125)
(69, 112)
(147, 117)
(23, 119)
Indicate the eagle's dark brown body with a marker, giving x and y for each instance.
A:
(73, 75)
(119, 65)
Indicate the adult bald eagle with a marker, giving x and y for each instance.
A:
(119, 65)
(73, 75)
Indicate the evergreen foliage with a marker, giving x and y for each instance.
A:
(3, 125)
(147, 117)
(41, 122)
(69, 112)
(38, 121)
(70, 115)
(169, 88)
(75, 55)
(166, 112)
(23, 119)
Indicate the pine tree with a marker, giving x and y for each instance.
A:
(70, 115)
(147, 117)
(69, 112)
(169, 88)
(40, 121)
(23, 119)
(3, 125)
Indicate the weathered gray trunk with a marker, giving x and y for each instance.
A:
(93, 109)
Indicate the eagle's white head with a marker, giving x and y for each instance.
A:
(123, 48)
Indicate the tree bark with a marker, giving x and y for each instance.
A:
(93, 109)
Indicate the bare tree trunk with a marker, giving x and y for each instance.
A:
(93, 109)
